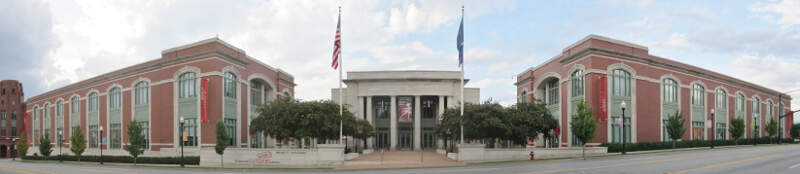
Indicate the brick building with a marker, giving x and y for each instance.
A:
(157, 94)
(607, 72)
(12, 108)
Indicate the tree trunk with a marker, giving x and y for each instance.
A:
(221, 157)
(674, 143)
(134, 161)
(584, 152)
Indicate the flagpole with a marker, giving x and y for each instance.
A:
(462, 87)
(341, 97)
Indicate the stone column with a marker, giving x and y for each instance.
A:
(439, 141)
(417, 123)
(369, 118)
(393, 123)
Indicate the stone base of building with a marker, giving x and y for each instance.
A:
(324, 156)
(473, 153)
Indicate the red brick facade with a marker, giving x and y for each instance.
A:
(210, 58)
(12, 110)
(597, 56)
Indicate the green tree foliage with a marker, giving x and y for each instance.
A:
(287, 118)
(771, 128)
(737, 128)
(491, 121)
(77, 144)
(45, 148)
(583, 124)
(22, 146)
(675, 128)
(222, 140)
(360, 128)
(795, 132)
(135, 145)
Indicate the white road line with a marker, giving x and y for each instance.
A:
(796, 165)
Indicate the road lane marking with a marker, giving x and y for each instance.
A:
(796, 165)
(12, 169)
(725, 164)
(607, 166)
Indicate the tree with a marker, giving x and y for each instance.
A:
(136, 141)
(737, 129)
(22, 146)
(771, 127)
(45, 148)
(77, 143)
(449, 127)
(583, 124)
(363, 130)
(795, 132)
(675, 127)
(222, 141)
(290, 119)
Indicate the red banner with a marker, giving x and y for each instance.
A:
(24, 127)
(203, 99)
(603, 99)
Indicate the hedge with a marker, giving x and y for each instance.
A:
(642, 146)
(189, 160)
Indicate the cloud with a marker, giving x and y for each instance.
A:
(782, 43)
(787, 9)
(25, 40)
(499, 67)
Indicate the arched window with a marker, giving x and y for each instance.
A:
(698, 95)
(670, 91)
(93, 120)
(621, 83)
(552, 92)
(115, 117)
(142, 109)
(74, 114)
(187, 86)
(721, 114)
(577, 83)
(698, 112)
(756, 116)
(740, 105)
(59, 121)
(524, 97)
(46, 121)
(36, 119)
(229, 89)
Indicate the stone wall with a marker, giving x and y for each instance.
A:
(478, 153)
(324, 156)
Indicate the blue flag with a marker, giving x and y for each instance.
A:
(460, 43)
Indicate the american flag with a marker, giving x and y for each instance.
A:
(337, 44)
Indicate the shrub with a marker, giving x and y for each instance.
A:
(189, 160)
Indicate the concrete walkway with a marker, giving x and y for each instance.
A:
(399, 159)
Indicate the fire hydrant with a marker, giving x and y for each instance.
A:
(532, 154)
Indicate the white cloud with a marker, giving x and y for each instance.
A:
(768, 72)
(789, 11)
(499, 67)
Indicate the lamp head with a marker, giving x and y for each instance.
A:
(623, 105)
(712, 111)
(181, 119)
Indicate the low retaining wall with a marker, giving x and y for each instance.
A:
(478, 153)
(324, 156)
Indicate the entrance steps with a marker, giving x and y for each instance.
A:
(399, 159)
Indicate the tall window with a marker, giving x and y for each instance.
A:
(670, 91)
(115, 117)
(698, 112)
(621, 83)
(187, 85)
(2, 123)
(13, 123)
(36, 125)
(552, 92)
(229, 88)
(142, 109)
(430, 105)
(524, 97)
(59, 119)
(382, 106)
(740, 105)
(93, 120)
(74, 116)
(255, 101)
(187, 92)
(230, 85)
(721, 114)
(756, 117)
(230, 126)
(769, 111)
(46, 121)
(577, 83)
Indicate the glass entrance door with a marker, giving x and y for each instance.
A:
(405, 139)
(382, 138)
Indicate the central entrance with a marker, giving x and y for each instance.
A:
(405, 138)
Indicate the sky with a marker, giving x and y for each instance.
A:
(49, 44)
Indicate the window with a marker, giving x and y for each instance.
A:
(190, 126)
(93, 138)
(35, 124)
(756, 116)
(93, 102)
(2, 123)
(382, 106)
(740, 103)
(552, 92)
(93, 120)
(74, 116)
(430, 105)
(146, 133)
(186, 83)
(59, 118)
(114, 98)
(141, 90)
(115, 118)
(13, 123)
(621, 83)
(698, 94)
(769, 110)
(524, 97)
(670, 91)
(722, 99)
(230, 128)
(230, 85)
(46, 121)
(577, 83)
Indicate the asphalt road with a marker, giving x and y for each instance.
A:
(761, 159)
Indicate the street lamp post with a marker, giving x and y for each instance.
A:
(181, 142)
(60, 143)
(13, 154)
(101, 145)
(713, 132)
(623, 126)
(755, 133)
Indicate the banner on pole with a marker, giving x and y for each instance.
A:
(405, 109)
(603, 99)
